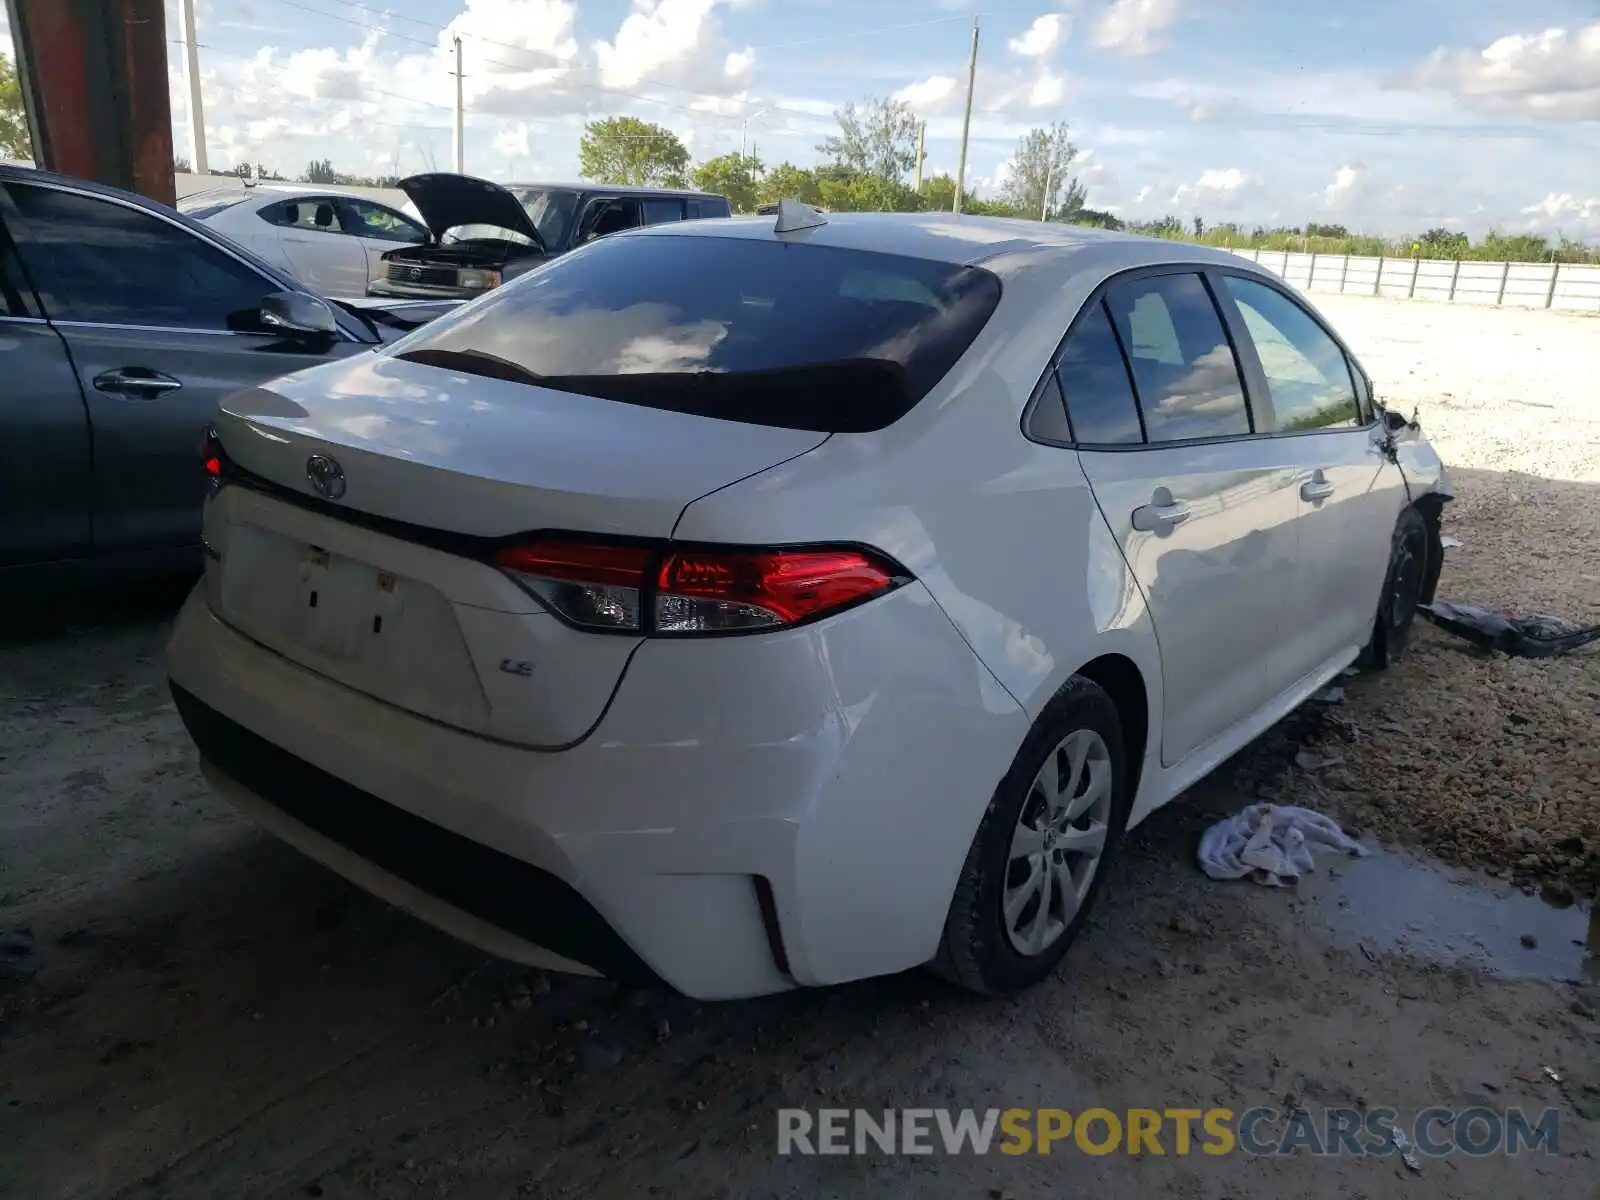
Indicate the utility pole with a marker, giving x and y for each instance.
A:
(966, 120)
(744, 132)
(197, 114)
(460, 140)
(922, 141)
(1049, 174)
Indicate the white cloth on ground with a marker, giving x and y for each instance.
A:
(1271, 843)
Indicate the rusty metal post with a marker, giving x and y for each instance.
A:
(94, 80)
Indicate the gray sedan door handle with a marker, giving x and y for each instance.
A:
(1161, 515)
(136, 381)
(1316, 489)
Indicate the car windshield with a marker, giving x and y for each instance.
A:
(790, 335)
(552, 213)
(209, 203)
(469, 233)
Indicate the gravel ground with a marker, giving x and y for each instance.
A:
(1485, 761)
(197, 1011)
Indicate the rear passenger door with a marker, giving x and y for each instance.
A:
(1204, 515)
(1349, 493)
(320, 253)
(45, 462)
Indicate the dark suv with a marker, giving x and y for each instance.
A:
(481, 234)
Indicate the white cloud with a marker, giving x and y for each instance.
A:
(1349, 184)
(1218, 187)
(1043, 36)
(1135, 26)
(928, 94)
(1143, 194)
(656, 34)
(739, 63)
(1048, 89)
(1553, 75)
(514, 35)
(1565, 206)
(512, 140)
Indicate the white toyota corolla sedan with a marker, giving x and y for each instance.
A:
(753, 604)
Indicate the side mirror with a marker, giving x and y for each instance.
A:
(1395, 422)
(298, 313)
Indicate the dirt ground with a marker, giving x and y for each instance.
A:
(197, 1011)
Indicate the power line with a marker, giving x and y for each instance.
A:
(248, 58)
(596, 87)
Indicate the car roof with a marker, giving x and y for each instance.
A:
(618, 189)
(956, 238)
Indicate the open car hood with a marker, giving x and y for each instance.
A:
(446, 201)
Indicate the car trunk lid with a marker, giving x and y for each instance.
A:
(380, 578)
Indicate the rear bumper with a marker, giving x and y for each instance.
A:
(506, 893)
(750, 814)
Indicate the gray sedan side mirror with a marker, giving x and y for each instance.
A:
(298, 313)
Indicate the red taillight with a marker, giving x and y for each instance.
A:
(602, 585)
(211, 453)
(777, 587)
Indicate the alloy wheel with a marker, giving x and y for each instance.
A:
(1058, 842)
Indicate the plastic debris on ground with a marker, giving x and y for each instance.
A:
(1272, 844)
(1403, 1144)
(1522, 635)
(1449, 543)
(1328, 695)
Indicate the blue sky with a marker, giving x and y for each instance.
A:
(1385, 116)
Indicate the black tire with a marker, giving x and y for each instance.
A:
(975, 951)
(1411, 568)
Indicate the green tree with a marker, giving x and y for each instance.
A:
(320, 170)
(14, 139)
(732, 175)
(626, 150)
(939, 193)
(861, 192)
(1040, 180)
(788, 182)
(1096, 219)
(877, 137)
(1444, 243)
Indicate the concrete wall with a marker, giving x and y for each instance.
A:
(189, 184)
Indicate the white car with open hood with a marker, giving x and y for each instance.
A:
(744, 605)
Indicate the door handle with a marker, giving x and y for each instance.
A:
(1316, 489)
(136, 381)
(1161, 515)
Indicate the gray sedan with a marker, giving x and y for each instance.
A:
(122, 323)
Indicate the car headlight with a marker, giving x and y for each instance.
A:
(479, 279)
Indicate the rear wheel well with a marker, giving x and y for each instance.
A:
(1124, 683)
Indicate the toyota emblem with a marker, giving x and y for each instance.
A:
(416, 273)
(326, 475)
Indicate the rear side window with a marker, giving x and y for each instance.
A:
(771, 333)
(1307, 372)
(659, 212)
(714, 206)
(1184, 369)
(1094, 379)
(311, 216)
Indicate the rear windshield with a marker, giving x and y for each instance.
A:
(769, 333)
(209, 204)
